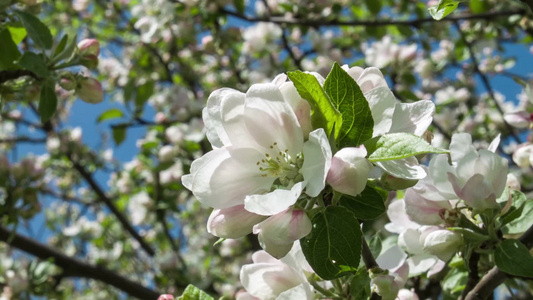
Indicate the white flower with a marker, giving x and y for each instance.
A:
(443, 243)
(268, 278)
(260, 158)
(138, 207)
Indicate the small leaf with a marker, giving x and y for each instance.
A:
(519, 201)
(110, 114)
(522, 223)
(143, 94)
(367, 206)
(333, 248)
(360, 285)
(35, 63)
(348, 99)
(193, 293)
(119, 134)
(17, 33)
(513, 257)
(239, 6)
(37, 31)
(324, 114)
(47, 102)
(8, 51)
(67, 51)
(444, 8)
(62, 44)
(397, 146)
(375, 245)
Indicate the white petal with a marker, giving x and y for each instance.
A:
(223, 177)
(423, 211)
(461, 146)
(392, 258)
(267, 281)
(233, 222)
(212, 116)
(495, 143)
(370, 79)
(407, 168)
(302, 291)
(413, 117)
(317, 161)
(300, 106)
(270, 119)
(436, 186)
(382, 102)
(274, 202)
(398, 217)
(421, 263)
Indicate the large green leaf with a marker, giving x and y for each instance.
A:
(397, 146)
(444, 8)
(368, 205)
(347, 97)
(518, 202)
(513, 257)
(47, 102)
(112, 113)
(324, 114)
(333, 248)
(35, 63)
(37, 31)
(8, 51)
(193, 293)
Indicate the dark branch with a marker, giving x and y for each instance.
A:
(76, 268)
(23, 139)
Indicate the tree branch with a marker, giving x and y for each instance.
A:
(369, 23)
(495, 277)
(76, 268)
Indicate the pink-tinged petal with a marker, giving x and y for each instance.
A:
(439, 266)
(401, 274)
(423, 211)
(303, 291)
(371, 78)
(272, 203)
(166, 297)
(421, 263)
(477, 193)
(413, 117)
(398, 217)
(382, 102)
(241, 295)
(461, 146)
(279, 79)
(407, 168)
(233, 222)
(519, 119)
(392, 258)
(405, 294)
(223, 177)
(271, 120)
(278, 233)
(212, 116)
(262, 256)
(349, 170)
(317, 161)
(300, 106)
(436, 187)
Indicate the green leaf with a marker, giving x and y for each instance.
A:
(397, 146)
(35, 63)
(513, 257)
(112, 113)
(522, 223)
(67, 51)
(455, 281)
(367, 206)
(324, 114)
(61, 46)
(8, 51)
(444, 8)
(143, 94)
(17, 34)
(347, 97)
(374, 6)
(333, 248)
(375, 245)
(193, 293)
(360, 285)
(38, 32)
(518, 202)
(47, 102)
(119, 134)
(239, 6)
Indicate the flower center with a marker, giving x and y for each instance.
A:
(282, 166)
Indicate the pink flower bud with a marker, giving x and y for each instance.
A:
(90, 90)
(166, 297)
(349, 171)
(89, 61)
(88, 47)
(233, 222)
(67, 83)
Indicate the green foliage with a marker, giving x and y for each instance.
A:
(109, 114)
(360, 285)
(193, 293)
(444, 8)
(48, 101)
(35, 63)
(333, 248)
(397, 146)
(9, 51)
(348, 99)
(119, 134)
(324, 114)
(513, 257)
(17, 33)
(518, 202)
(522, 223)
(370, 204)
(37, 31)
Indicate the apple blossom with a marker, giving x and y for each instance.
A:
(443, 243)
(89, 90)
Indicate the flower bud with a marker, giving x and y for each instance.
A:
(349, 171)
(233, 222)
(166, 297)
(443, 243)
(89, 61)
(90, 90)
(278, 233)
(88, 47)
(67, 81)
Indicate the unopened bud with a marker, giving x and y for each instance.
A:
(89, 47)
(89, 61)
(90, 90)
(67, 82)
(166, 297)
(349, 169)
